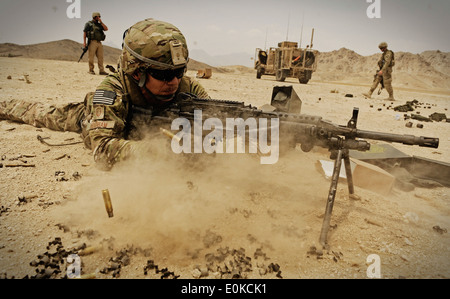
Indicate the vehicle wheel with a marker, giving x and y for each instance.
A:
(259, 73)
(280, 76)
(303, 80)
(304, 77)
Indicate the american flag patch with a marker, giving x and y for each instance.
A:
(104, 97)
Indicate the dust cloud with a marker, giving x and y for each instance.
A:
(180, 204)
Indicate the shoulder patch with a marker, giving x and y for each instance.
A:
(99, 111)
(104, 97)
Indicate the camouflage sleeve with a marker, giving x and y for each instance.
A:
(104, 123)
(387, 60)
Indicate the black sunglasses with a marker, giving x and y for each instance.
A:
(166, 75)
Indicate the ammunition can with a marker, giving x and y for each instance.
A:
(108, 204)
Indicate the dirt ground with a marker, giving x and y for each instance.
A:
(222, 216)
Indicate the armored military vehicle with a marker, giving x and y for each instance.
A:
(287, 61)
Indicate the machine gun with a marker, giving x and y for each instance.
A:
(308, 130)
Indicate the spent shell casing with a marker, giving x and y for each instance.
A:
(88, 276)
(108, 204)
(88, 250)
(170, 134)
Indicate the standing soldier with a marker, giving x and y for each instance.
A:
(114, 120)
(94, 32)
(385, 64)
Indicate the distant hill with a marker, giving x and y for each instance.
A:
(430, 69)
(69, 50)
(66, 49)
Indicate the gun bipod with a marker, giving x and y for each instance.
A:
(342, 154)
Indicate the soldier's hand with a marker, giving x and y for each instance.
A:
(380, 73)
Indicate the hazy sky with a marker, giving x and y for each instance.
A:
(231, 26)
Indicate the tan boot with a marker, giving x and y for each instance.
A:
(391, 95)
(368, 94)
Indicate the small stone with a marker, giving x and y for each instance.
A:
(196, 273)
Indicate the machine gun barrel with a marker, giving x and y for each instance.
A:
(318, 130)
(404, 139)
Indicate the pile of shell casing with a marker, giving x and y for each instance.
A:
(121, 260)
(234, 263)
(49, 264)
(165, 273)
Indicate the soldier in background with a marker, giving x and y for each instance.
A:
(94, 32)
(385, 64)
(112, 120)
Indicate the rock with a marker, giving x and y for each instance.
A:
(439, 230)
(438, 116)
(196, 273)
(411, 217)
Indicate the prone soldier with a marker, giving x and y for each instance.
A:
(151, 73)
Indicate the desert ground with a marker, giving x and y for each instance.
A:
(211, 217)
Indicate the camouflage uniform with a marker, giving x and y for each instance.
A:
(385, 64)
(111, 119)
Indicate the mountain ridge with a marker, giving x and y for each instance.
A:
(429, 69)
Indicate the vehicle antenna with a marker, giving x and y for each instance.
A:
(287, 33)
(265, 43)
(301, 33)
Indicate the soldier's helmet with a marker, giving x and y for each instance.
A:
(153, 44)
(382, 45)
(96, 14)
